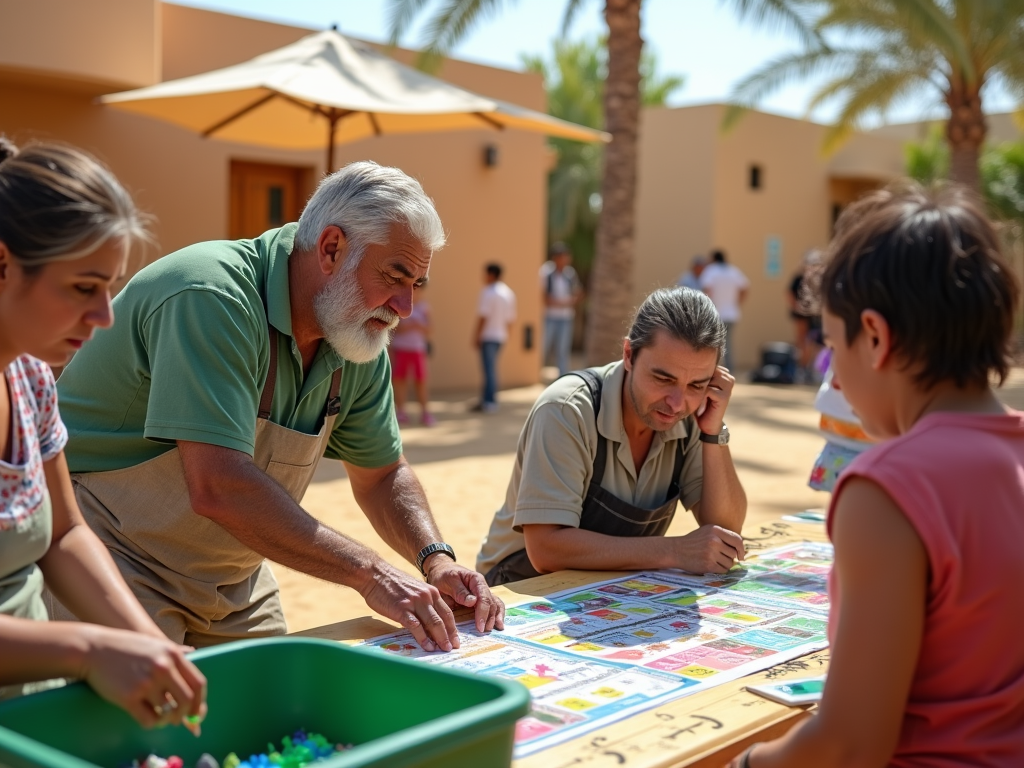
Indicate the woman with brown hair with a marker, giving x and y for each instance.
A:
(66, 229)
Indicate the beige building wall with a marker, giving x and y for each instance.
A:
(789, 213)
(90, 45)
(695, 196)
(492, 213)
(675, 196)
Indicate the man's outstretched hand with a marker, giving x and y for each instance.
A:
(460, 586)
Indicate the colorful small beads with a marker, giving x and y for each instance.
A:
(297, 751)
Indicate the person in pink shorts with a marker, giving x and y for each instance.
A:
(927, 664)
(409, 360)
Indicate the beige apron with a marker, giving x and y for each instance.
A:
(199, 583)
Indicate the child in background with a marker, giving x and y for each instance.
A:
(409, 359)
(66, 227)
(845, 438)
(927, 665)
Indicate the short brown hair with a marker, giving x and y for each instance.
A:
(930, 262)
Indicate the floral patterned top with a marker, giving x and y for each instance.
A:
(26, 525)
(37, 435)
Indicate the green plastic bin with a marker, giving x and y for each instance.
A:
(395, 711)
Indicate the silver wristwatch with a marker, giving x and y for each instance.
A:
(722, 438)
(430, 549)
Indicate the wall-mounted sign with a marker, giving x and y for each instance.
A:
(772, 257)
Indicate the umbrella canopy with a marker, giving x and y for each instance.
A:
(327, 88)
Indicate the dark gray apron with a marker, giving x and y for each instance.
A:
(603, 511)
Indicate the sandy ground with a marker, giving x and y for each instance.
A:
(464, 463)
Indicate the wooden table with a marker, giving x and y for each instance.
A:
(704, 729)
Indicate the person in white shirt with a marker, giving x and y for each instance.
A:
(560, 291)
(727, 287)
(496, 311)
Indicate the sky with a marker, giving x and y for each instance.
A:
(700, 39)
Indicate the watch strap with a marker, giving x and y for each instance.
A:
(722, 438)
(431, 549)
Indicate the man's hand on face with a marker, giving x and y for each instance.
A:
(418, 607)
(460, 586)
(719, 391)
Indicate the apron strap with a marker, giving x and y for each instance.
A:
(267, 397)
(331, 408)
(673, 490)
(333, 405)
(594, 383)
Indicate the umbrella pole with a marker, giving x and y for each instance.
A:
(332, 124)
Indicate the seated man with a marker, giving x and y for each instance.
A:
(198, 420)
(606, 453)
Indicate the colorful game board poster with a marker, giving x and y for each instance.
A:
(596, 655)
(795, 575)
(570, 695)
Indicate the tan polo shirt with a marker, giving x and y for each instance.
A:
(555, 461)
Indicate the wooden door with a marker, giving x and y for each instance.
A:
(263, 197)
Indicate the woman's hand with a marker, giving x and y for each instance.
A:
(148, 677)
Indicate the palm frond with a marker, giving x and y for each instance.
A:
(401, 14)
(572, 7)
(866, 97)
(792, 15)
(928, 21)
(868, 66)
(778, 73)
(449, 26)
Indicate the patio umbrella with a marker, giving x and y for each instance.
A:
(327, 88)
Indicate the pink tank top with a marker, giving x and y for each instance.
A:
(959, 479)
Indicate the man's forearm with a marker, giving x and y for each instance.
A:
(397, 507)
(556, 548)
(723, 501)
(258, 512)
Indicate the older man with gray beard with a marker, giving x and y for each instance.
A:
(198, 420)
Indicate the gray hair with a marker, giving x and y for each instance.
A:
(365, 199)
(58, 203)
(686, 314)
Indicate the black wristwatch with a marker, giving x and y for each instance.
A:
(722, 438)
(430, 549)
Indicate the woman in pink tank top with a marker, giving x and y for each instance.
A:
(928, 585)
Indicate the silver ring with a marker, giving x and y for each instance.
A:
(166, 708)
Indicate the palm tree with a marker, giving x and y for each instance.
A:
(611, 284)
(574, 76)
(890, 49)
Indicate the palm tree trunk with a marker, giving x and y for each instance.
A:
(965, 132)
(611, 284)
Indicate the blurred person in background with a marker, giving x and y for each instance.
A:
(727, 287)
(409, 348)
(805, 312)
(691, 277)
(560, 293)
(496, 311)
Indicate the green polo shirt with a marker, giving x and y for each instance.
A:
(187, 357)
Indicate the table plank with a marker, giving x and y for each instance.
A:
(698, 731)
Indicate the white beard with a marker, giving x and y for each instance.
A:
(341, 312)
